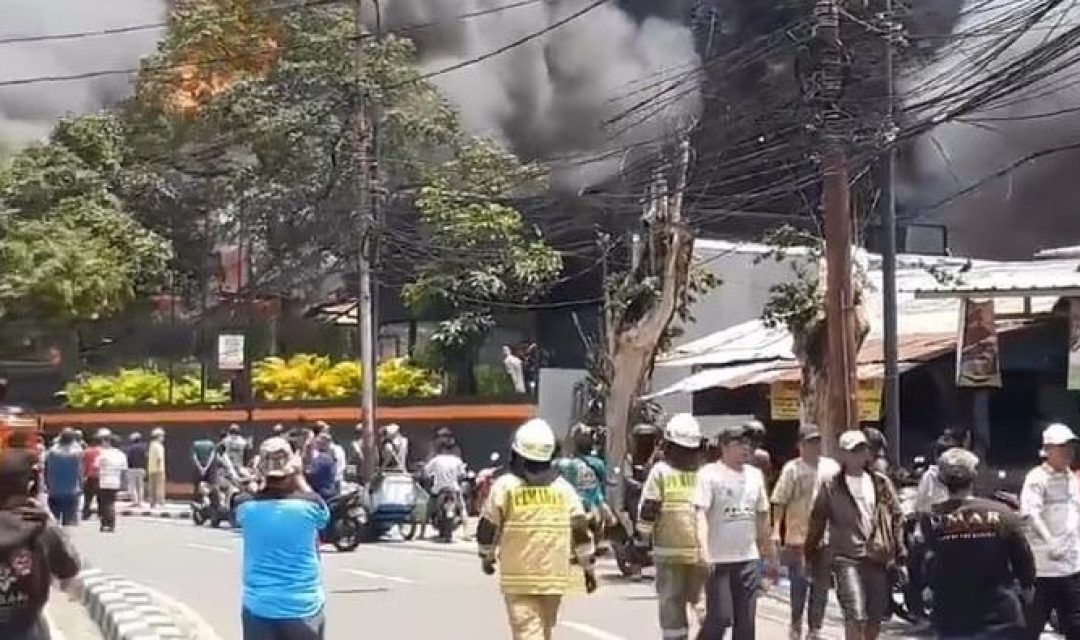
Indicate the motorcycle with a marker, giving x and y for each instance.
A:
(445, 516)
(349, 521)
(214, 503)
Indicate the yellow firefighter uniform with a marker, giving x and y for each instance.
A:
(539, 528)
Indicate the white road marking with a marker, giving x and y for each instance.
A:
(589, 630)
(208, 547)
(379, 576)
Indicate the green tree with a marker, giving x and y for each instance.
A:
(69, 250)
(479, 251)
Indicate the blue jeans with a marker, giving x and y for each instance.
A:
(65, 509)
(806, 591)
(256, 628)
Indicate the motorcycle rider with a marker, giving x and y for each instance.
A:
(932, 491)
(237, 447)
(793, 498)
(587, 473)
(1050, 500)
(643, 454)
(394, 450)
(978, 564)
(444, 473)
(529, 525)
(667, 519)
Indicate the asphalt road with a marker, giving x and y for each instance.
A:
(385, 590)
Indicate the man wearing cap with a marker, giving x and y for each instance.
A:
(733, 535)
(1050, 500)
(63, 474)
(932, 491)
(792, 499)
(111, 466)
(859, 509)
(155, 467)
(975, 558)
(283, 595)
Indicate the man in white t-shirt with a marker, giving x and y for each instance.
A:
(1050, 500)
(793, 498)
(733, 533)
(111, 465)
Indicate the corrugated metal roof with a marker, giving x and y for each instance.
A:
(1010, 277)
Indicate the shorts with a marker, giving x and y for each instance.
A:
(864, 590)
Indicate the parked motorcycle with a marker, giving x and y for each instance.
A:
(349, 521)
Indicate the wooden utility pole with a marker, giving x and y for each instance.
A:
(366, 200)
(840, 318)
(889, 313)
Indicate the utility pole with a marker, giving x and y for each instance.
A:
(365, 215)
(888, 253)
(840, 318)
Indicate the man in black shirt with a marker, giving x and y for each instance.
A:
(977, 563)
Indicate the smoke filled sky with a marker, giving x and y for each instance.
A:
(27, 112)
(1029, 209)
(550, 98)
(553, 97)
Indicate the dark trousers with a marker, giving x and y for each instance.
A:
(809, 586)
(90, 489)
(731, 593)
(107, 507)
(256, 628)
(1058, 595)
(65, 509)
(40, 631)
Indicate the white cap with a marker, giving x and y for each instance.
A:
(392, 429)
(684, 430)
(1057, 434)
(851, 440)
(535, 441)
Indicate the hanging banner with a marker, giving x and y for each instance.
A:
(1074, 344)
(230, 347)
(785, 400)
(978, 359)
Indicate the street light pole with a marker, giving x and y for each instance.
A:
(365, 301)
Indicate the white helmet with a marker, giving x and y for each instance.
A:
(684, 430)
(535, 441)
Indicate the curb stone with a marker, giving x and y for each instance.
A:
(123, 610)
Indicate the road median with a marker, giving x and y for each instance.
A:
(126, 610)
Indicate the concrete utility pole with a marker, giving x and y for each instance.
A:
(366, 203)
(840, 317)
(888, 250)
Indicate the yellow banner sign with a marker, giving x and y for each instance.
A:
(785, 400)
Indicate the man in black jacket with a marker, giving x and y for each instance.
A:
(33, 551)
(976, 560)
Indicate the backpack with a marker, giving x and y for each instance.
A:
(24, 583)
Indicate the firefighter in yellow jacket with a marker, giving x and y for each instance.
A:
(666, 517)
(532, 524)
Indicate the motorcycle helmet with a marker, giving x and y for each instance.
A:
(534, 441)
(683, 430)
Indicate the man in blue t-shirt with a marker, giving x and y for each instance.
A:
(282, 582)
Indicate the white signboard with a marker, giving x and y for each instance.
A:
(230, 349)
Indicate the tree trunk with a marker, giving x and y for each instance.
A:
(632, 344)
(811, 349)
